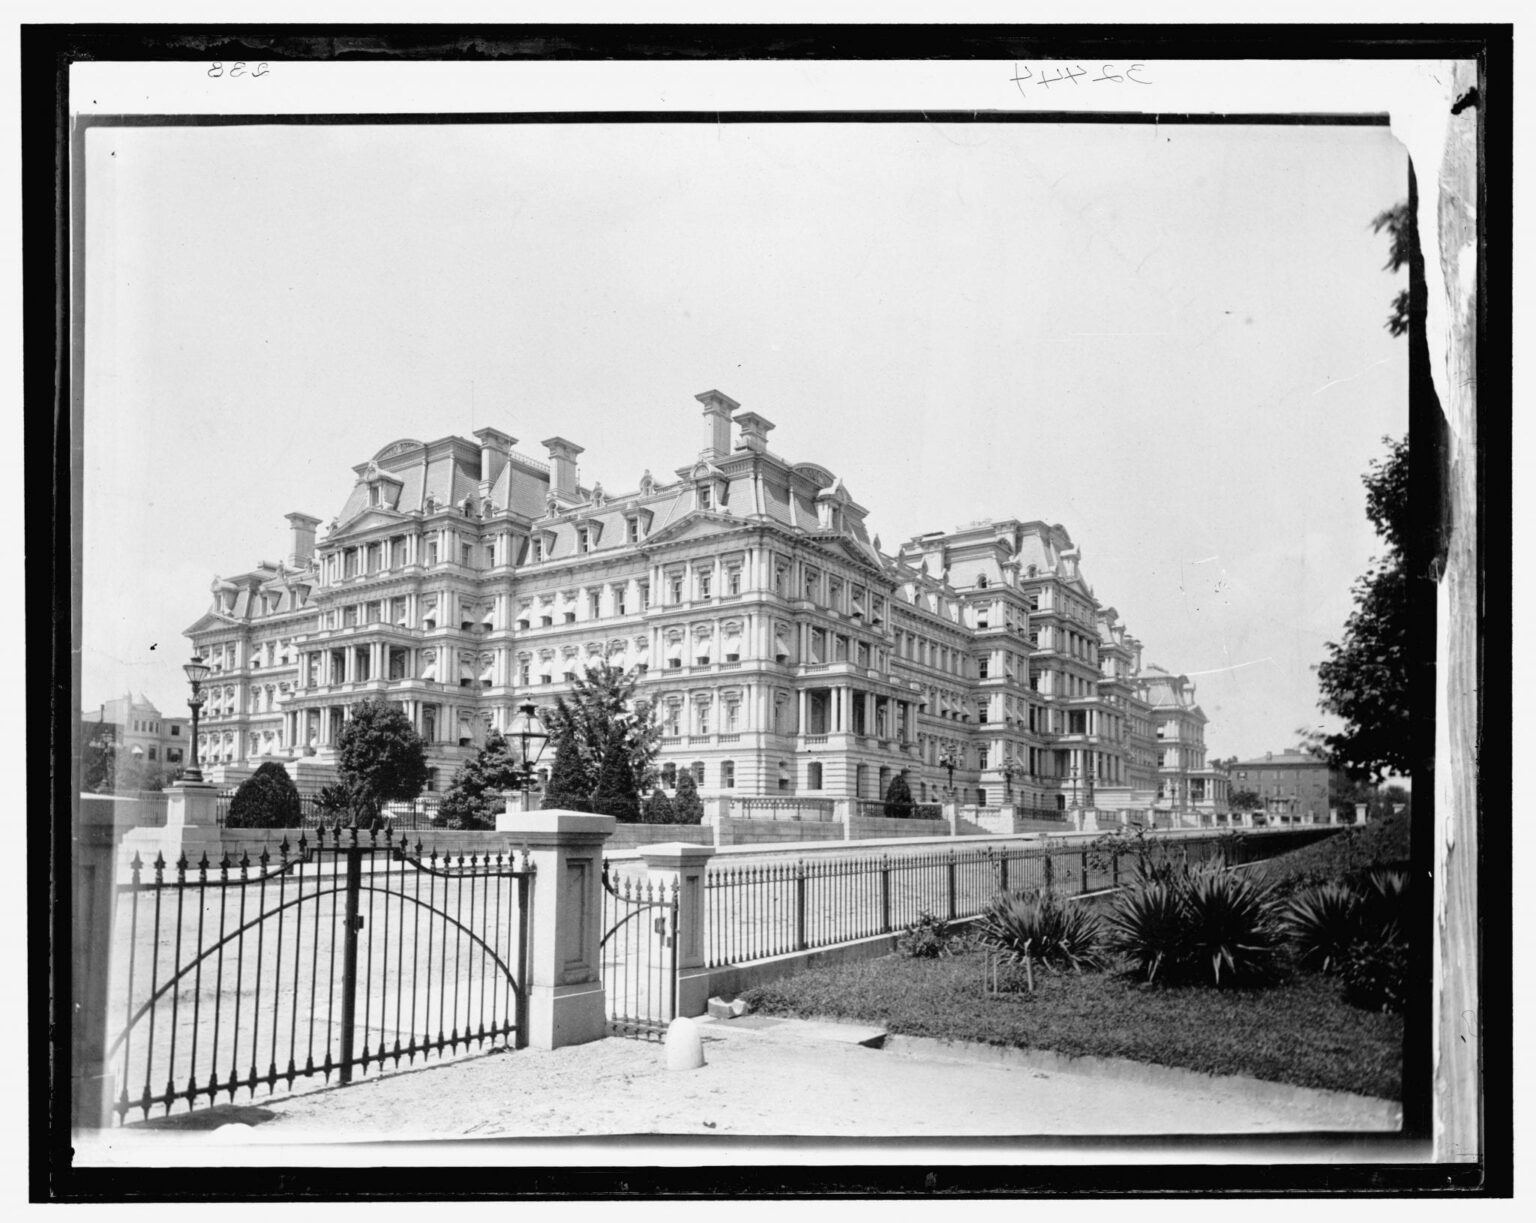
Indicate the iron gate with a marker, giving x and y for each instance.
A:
(433, 961)
(637, 953)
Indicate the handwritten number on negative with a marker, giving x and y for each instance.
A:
(238, 68)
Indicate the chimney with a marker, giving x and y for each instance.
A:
(754, 431)
(562, 464)
(494, 445)
(301, 548)
(717, 410)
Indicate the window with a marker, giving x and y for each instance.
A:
(728, 774)
(669, 776)
(813, 776)
(175, 730)
(618, 601)
(523, 670)
(701, 715)
(675, 588)
(733, 581)
(706, 497)
(645, 595)
(432, 552)
(704, 581)
(732, 714)
(634, 530)
(594, 606)
(698, 772)
(981, 668)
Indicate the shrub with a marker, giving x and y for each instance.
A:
(658, 808)
(334, 800)
(898, 799)
(1375, 974)
(1200, 925)
(616, 793)
(1043, 930)
(686, 807)
(930, 938)
(266, 799)
(570, 786)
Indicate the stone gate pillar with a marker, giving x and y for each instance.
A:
(95, 900)
(680, 865)
(565, 983)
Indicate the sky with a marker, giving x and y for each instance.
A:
(1168, 339)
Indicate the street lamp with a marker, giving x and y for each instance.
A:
(529, 737)
(197, 671)
(947, 761)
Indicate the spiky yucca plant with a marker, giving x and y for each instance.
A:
(1231, 928)
(1322, 923)
(1206, 924)
(1147, 925)
(1043, 930)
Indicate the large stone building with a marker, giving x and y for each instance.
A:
(786, 652)
(138, 730)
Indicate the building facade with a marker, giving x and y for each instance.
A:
(785, 651)
(140, 731)
(1294, 786)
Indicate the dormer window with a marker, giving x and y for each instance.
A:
(706, 497)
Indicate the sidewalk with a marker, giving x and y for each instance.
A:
(767, 1077)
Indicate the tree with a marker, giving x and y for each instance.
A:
(570, 784)
(1367, 676)
(616, 793)
(686, 807)
(658, 808)
(1397, 223)
(380, 758)
(1245, 800)
(475, 797)
(266, 799)
(898, 798)
(601, 699)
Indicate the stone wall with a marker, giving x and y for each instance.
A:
(628, 836)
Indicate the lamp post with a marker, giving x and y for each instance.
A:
(529, 736)
(947, 761)
(197, 671)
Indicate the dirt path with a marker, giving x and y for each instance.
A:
(765, 1083)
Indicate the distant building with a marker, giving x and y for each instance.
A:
(1184, 781)
(785, 651)
(142, 732)
(1294, 786)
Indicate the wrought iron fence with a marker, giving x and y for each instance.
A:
(340, 954)
(759, 910)
(637, 950)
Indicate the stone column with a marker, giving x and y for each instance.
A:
(682, 866)
(565, 985)
(92, 1085)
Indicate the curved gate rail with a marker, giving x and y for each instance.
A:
(638, 954)
(227, 976)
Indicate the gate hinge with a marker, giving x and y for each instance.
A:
(357, 922)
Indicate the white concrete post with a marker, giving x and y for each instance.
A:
(95, 899)
(683, 866)
(842, 810)
(565, 984)
(191, 826)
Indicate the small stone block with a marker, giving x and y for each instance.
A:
(719, 1008)
(738, 1008)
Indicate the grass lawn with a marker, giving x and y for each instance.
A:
(1300, 1032)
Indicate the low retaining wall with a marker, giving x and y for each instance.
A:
(628, 836)
(870, 827)
(735, 831)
